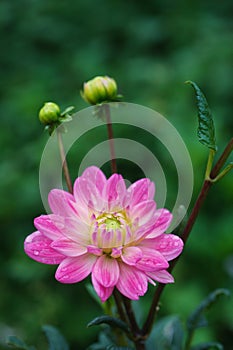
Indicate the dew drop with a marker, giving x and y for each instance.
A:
(36, 252)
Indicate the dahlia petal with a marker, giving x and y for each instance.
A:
(96, 176)
(94, 250)
(132, 283)
(37, 247)
(131, 255)
(50, 225)
(68, 247)
(161, 276)
(106, 271)
(73, 270)
(169, 245)
(151, 260)
(103, 292)
(86, 193)
(116, 252)
(141, 190)
(162, 220)
(60, 202)
(76, 230)
(114, 191)
(143, 211)
(107, 238)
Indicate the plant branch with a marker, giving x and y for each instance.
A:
(186, 232)
(222, 160)
(64, 161)
(110, 138)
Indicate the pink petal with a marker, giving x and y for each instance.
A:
(94, 250)
(141, 190)
(131, 255)
(50, 225)
(162, 219)
(60, 202)
(114, 192)
(161, 276)
(169, 245)
(106, 271)
(103, 292)
(37, 246)
(76, 230)
(73, 270)
(151, 260)
(86, 193)
(132, 283)
(143, 211)
(96, 176)
(68, 247)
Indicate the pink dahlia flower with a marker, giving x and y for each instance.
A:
(103, 229)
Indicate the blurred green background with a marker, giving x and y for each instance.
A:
(48, 49)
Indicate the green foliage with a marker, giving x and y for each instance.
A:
(111, 321)
(167, 334)
(48, 49)
(18, 344)
(206, 131)
(208, 346)
(197, 318)
(55, 338)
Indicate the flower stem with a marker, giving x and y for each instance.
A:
(64, 161)
(111, 138)
(187, 229)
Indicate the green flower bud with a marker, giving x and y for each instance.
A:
(100, 89)
(49, 113)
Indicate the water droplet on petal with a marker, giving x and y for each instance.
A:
(36, 252)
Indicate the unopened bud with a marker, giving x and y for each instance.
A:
(49, 113)
(99, 90)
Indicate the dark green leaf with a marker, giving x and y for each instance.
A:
(111, 321)
(208, 346)
(206, 131)
(196, 319)
(55, 338)
(166, 334)
(18, 344)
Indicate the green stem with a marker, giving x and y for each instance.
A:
(209, 164)
(223, 173)
(186, 232)
(222, 160)
(64, 162)
(110, 138)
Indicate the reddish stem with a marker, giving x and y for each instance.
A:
(110, 138)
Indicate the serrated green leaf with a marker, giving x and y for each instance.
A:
(55, 338)
(208, 346)
(166, 334)
(195, 320)
(206, 130)
(111, 321)
(18, 344)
